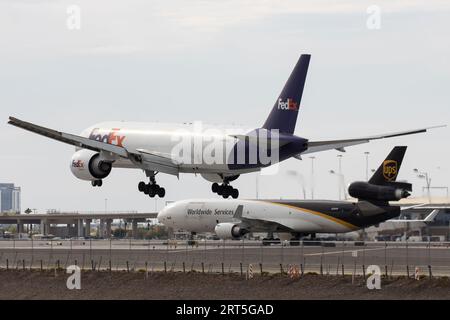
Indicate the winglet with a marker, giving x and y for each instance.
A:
(431, 216)
(238, 212)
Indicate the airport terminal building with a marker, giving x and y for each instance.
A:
(438, 229)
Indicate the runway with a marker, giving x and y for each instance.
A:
(228, 256)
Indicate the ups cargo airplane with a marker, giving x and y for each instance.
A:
(155, 147)
(231, 219)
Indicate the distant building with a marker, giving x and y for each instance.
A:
(402, 229)
(9, 198)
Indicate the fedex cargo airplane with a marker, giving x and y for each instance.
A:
(231, 219)
(182, 148)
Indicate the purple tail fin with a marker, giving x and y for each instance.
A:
(284, 113)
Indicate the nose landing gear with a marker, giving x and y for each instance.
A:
(97, 183)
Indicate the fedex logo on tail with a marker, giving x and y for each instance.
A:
(289, 104)
(110, 137)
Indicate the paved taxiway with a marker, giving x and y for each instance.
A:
(209, 256)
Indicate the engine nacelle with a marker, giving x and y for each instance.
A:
(229, 230)
(367, 191)
(87, 165)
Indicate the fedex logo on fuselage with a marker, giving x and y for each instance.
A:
(110, 137)
(287, 105)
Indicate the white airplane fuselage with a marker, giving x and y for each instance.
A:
(203, 215)
(173, 139)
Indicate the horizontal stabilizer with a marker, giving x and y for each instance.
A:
(317, 146)
(429, 218)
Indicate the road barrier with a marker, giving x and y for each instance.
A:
(293, 272)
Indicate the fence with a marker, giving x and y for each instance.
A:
(327, 258)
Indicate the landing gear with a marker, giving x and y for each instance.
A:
(97, 183)
(191, 241)
(294, 242)
(142, 186)
(270, 240)
(152, 188)
(225, 190)
(296, 239)
(312, 241)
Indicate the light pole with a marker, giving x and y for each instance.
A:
(367, 165)
(257, 185)
(341, 183)
(339, 156)
(312, 176)
(424, 175)
(300, 179)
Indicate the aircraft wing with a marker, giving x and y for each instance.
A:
(71, 139)
(158, 161)
(317, 146)
(146, 160)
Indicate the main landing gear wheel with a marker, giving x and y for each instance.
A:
(142, 186)
(225, 190)
(151, 189)
(97, 183)
(269, 241)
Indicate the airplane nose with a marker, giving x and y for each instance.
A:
(169, 213)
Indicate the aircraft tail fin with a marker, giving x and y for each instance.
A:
(284, 113)
(387, 173)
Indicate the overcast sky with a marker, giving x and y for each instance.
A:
(221, 62)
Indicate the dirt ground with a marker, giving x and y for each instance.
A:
(193, 286)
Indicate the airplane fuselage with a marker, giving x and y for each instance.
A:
(197, 148)
(295, 216)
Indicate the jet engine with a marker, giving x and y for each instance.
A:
(389, 192)
(87, 165)
(228, 230)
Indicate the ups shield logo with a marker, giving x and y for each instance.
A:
(390, 170)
